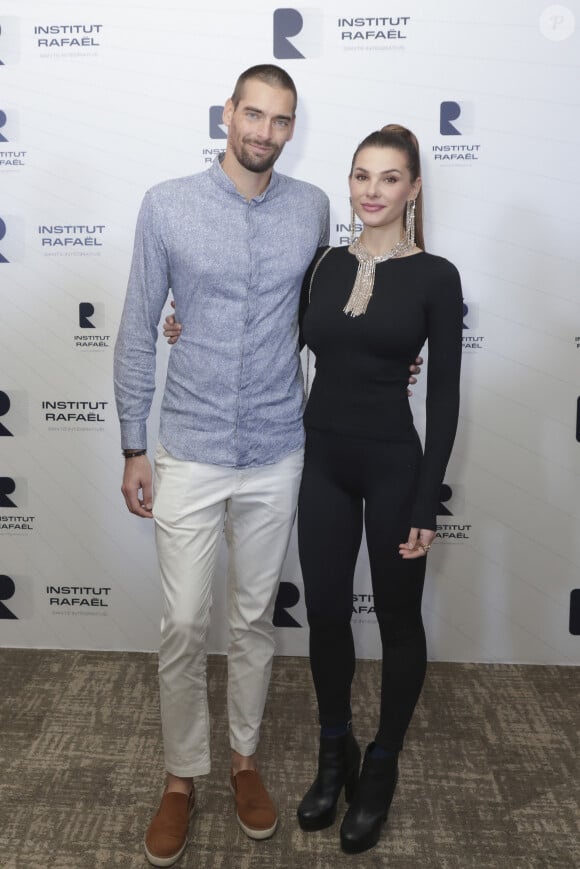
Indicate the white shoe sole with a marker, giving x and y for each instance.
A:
(165, 861)
(257, 834)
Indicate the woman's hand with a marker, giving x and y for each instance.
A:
(418, 544)
(171, 328)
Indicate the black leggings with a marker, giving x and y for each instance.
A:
(340, 474)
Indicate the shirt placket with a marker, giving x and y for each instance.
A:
(244, 444)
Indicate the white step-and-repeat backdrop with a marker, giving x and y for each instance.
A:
(100, 100)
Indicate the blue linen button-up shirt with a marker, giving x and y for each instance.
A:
(234, 393)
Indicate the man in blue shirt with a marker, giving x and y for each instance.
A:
(232, 243)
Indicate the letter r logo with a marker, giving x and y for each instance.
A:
(86, 310)
(445, 494)
(575, 612)
(7, 487)
(7, 589)
(449, 111)
(217, 128)
(2, 234)
(4, 408)
(465, 315)
(288, 596)
(287, 23)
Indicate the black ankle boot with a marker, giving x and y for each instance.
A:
(361, 827)
(338, 766)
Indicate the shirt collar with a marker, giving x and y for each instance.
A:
(224, 181)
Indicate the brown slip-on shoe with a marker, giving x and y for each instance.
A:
(256, 812)
(166, 838)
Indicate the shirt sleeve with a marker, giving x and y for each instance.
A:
(135, 347)
(444, 332)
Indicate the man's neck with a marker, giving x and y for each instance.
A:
(249, 184)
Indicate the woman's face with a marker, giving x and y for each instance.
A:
(380, 186)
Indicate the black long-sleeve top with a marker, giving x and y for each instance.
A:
(362, 363)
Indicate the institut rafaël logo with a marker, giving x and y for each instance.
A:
(456, 121)
(65, 415)
(471, 341)
(68, 40)
(10, 159)
(452, 528)
(91, 319)
(71, 600)
(298, 33)
(13, 498)
(376, 33)
(71, 239)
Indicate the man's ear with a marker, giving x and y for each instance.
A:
(228, 111)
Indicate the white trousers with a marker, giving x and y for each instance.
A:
(192, 501)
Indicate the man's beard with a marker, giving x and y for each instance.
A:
(257, 162)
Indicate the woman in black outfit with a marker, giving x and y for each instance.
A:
(369, 308)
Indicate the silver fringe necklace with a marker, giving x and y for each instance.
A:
(365, 277)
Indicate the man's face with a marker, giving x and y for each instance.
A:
(260, 125)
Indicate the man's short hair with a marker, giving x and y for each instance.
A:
(268, 73)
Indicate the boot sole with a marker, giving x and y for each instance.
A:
(316, 824)
(360, 846)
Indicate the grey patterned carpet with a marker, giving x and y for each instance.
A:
(489, 775)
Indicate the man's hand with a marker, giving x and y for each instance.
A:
(415, 368)
(172, 331)
(137, 478)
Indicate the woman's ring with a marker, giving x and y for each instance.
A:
(426, 547)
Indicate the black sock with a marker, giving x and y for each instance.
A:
(379, 751)
(334, 732)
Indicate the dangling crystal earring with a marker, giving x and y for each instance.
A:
(410, 223)
(352, 224)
